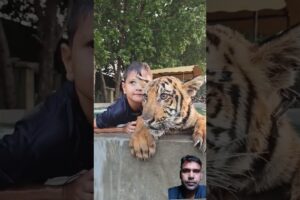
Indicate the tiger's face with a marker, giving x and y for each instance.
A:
(231, 93)
(167, 103)
(244, 81)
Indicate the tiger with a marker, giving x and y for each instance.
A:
(253, 152)
(167, 109)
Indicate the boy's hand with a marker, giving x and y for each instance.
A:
(80, 189)
(130, 127)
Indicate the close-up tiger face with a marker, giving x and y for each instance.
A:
(251, 148)
(168, 104)
(167, 108)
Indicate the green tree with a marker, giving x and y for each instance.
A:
(163, 33)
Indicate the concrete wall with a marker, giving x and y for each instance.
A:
(119, 176)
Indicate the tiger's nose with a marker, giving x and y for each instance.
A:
(146, 116)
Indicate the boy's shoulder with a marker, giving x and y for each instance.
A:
(117, 113)
(63, 96)
(58, 108)
(120, 106)
(60, 99)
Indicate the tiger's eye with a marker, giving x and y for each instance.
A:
(163, 96)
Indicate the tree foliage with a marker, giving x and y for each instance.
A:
(30, 12)
(163, 33)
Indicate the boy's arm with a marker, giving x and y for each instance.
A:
(126, 128)
(36, 192)
(81, 188)
(109, 130)
(103, 124)
(114, 115)
(106, 119)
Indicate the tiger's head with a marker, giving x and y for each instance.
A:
(244, 84)
(167, 103)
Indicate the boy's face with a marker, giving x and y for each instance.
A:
(132, 87)
(78, 60)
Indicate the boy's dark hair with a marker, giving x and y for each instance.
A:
(137, 67)
(79, 10)
(190, 158)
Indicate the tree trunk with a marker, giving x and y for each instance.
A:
(103, 87)
(118, 77)
(50, 33)
(6, 73)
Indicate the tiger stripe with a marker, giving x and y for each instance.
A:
(249, 150)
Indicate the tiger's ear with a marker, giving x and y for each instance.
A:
(192, 86)
(281, 58)
(143, 81)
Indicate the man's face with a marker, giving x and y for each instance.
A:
(78, 60)
(190, 175)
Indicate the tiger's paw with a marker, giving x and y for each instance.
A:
(199, 135)
(142, 145)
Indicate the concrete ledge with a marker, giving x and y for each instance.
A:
(10, 116)
(120, 176)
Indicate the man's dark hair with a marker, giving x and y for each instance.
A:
(79, 10)
(137, 67)
(190, 158)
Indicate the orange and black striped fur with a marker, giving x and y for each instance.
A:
(250, 149)
(167, 106)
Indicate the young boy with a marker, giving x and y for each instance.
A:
(129, 106)
(57, 140)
